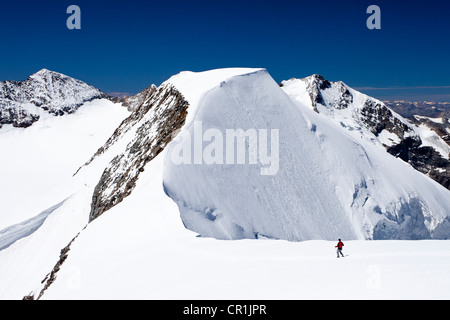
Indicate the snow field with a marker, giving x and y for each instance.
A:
(38, 190)
(187, 267)
(43, 158)
(150, 255)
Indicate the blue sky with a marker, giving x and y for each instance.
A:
(124, 46)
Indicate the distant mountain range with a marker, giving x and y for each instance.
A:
(429, 109)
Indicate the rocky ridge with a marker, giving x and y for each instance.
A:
(148, 129)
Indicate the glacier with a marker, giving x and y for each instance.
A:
(330, 184)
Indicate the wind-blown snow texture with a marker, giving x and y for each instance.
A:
(329, 184)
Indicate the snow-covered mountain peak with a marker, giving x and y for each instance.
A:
(44, 93)
(46, 76)
(318, 80)
(315, 92)
(194, 84)
(44, 73)
(370, 119)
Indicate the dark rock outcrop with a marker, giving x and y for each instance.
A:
(424, 159)
(155, 123)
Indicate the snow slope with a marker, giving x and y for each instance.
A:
(38, 160)
(330, 184)
(195, 85)
(42, 205)
(150, 255)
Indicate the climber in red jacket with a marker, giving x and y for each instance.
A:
(339, 248)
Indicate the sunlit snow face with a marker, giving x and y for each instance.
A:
(230, 146)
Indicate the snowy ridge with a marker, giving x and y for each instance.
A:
(195, 85)
(153, 124)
